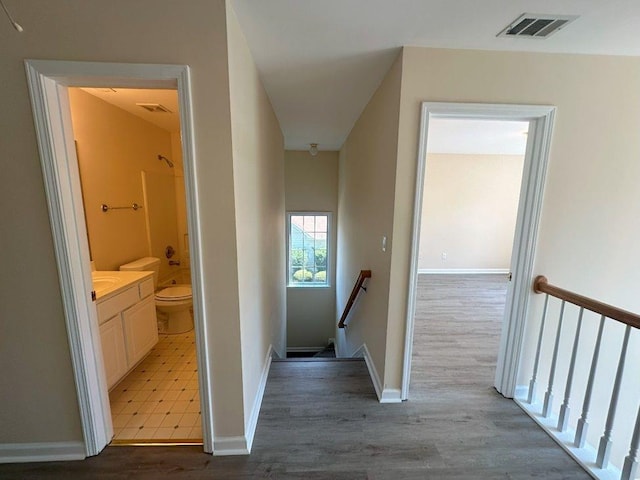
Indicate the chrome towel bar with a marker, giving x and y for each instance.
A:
(105, 208)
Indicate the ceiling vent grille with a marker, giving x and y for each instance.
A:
(154, 107)
(529, 25)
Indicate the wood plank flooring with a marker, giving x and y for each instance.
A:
(321, 420)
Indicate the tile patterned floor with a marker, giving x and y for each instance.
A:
(159, 399)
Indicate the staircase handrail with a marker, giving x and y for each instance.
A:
(364, 274)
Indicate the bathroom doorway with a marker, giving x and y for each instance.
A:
(129, 153)
(49, 83)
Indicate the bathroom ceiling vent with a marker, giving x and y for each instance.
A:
(154, 107)
(529, 25)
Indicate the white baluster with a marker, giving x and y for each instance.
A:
(583, 424)
(563, 419)
(533, 382)
(548, 396)
(630, 469)
(604, 450)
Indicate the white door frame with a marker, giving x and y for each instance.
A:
(541, 120)
(48, 81)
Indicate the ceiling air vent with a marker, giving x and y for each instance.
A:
(531, 25)
(154, 107)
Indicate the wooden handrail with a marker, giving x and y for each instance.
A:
(364, 274)
(541, 285)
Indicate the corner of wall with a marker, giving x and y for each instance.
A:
(227, 446)
(252, 423)
(385, 395)
(241, 444)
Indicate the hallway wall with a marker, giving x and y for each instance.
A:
(258, 172)
(591, 196)
(365, 215)
(34, 348)
(311, 185)
(589, 228)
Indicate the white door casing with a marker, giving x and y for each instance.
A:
(48, 81)
(541, 118)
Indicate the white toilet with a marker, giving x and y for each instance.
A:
(173, 304)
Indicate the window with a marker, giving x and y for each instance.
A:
(308, 252)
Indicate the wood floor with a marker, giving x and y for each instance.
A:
(321, 420)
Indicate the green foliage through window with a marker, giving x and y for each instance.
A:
(308, 249)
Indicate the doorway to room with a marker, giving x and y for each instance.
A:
(471, 192)
(540, 122)
(49, 82)
(129, 156)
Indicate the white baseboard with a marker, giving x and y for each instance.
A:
(241, 445)
(41, 452)
(463, 271)
(391, 395)
(224, 446)
(385, 395)
(250, 429)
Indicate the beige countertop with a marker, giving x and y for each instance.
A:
(109, 283)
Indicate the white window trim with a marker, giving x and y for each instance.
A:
(329, 216)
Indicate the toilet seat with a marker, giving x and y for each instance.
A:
(175, 293)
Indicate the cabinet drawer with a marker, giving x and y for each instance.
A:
(117, 303)
(146, 287)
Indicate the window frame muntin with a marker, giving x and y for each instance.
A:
(329, 216)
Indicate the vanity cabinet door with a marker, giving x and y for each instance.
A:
(140, 329)
(113, 352)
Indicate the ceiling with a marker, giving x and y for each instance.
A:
(126, 99)
(485, 137)
(320, 61)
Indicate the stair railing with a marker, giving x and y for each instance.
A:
(359, 285)
(631, 320)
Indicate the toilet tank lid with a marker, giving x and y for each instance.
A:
(141, 264)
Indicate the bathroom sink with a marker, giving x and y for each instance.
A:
(107, 283)
(103, 283)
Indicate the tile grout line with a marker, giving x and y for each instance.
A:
(161, 390)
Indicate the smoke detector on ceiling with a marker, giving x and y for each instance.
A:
(154, 107)
(531, 25)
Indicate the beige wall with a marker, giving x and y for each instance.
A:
(34, 349)
(311, 184)
(469, 211)
(365, 215)
(258, 168)
(589, 229)
(114, 148)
